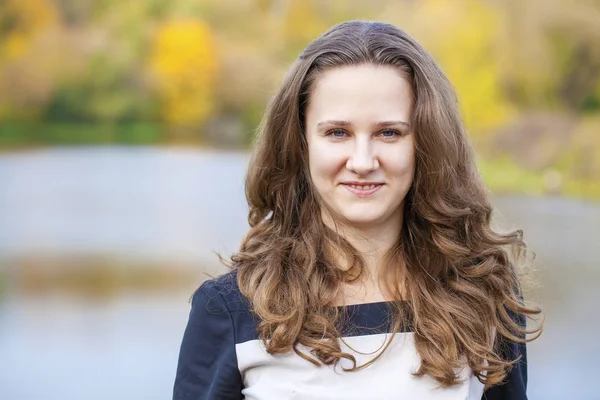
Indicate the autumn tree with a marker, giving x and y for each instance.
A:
(26, 68)
(184, 64)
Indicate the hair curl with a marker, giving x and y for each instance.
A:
(464, 292)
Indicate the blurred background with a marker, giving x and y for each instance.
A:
(124, 133)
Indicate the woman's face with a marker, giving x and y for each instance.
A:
(360, 144)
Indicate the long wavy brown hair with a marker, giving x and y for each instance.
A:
(458, 273)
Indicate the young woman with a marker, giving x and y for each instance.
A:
(370, 270)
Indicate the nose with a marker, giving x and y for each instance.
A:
(362, 161)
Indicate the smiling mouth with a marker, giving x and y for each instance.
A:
(363, 190)
(363, 187)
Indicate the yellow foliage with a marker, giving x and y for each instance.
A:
(467, 55)
(24, 85)
(461, 35)
(303, 22)
(184, 62)
(15, 46)
(29, 18)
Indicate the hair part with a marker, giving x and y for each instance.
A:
(459, 273)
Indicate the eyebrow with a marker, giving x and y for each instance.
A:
(377, 124)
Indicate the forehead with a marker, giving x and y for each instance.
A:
(360, 91)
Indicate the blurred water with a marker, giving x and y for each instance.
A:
(64, 349)
(160, 203)
(176, 204)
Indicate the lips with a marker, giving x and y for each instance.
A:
(360, 189)
(363, 187)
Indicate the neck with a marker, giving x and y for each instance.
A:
(371, 241)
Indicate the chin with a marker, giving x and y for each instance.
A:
(362, 218)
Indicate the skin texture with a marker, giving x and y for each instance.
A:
(347, 142)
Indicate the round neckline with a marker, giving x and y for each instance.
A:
(376, 317)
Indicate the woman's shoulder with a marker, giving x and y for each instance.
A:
(220, 299)
(223, 290)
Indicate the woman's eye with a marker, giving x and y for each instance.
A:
(337, 133)
(390, 133)
(386, 133)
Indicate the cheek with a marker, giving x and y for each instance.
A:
(403, 167)
(407, 166)
(325, 162)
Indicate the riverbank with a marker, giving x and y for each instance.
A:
(100, 277)
(505, 177)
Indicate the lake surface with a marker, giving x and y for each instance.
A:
(180, 205)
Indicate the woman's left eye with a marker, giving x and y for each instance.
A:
(389, 133)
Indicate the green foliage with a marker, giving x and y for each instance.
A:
(550, 54)
(15, 135)
(504, 175)
(111, 97)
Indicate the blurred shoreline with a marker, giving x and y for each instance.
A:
(97, 277)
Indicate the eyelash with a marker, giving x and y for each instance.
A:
(396, 133)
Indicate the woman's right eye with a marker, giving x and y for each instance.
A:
(336, 133)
